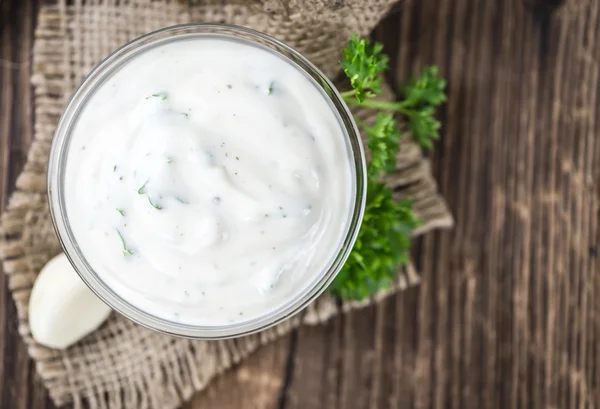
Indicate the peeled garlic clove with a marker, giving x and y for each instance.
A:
(62, 309)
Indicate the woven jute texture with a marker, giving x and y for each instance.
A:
(122, 365)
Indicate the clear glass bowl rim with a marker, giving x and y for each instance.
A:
(57, 162)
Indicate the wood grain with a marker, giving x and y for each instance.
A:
(508, 312)
(20, 388)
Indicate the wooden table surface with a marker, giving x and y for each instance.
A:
(508, 312)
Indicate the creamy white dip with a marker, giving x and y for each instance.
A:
(208, 181)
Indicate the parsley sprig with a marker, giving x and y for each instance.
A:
(364, 65)
(383, 242)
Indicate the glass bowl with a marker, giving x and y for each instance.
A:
(57, 167)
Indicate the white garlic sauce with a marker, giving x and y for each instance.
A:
(209, 181)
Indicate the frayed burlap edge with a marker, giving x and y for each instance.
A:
(123, 365)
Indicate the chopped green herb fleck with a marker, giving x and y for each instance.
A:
(170, 160)
(142, 190)
(126, 251)
(155, 205)
(163, 96)
(121, 211)
(270, 89)
(115, 168)
(237, 158)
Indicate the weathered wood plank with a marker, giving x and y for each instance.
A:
(504, 314)
(508, 312)
(20, 387)
(255, 384)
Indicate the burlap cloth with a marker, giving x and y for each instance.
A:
(123, 365)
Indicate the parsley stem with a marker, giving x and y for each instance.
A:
(346, 95)
(391, 106)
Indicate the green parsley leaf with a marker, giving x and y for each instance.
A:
(383, 138)
(422, 95)
(382, 245)
(364, 63)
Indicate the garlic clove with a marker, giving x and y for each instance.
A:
(62, 309)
